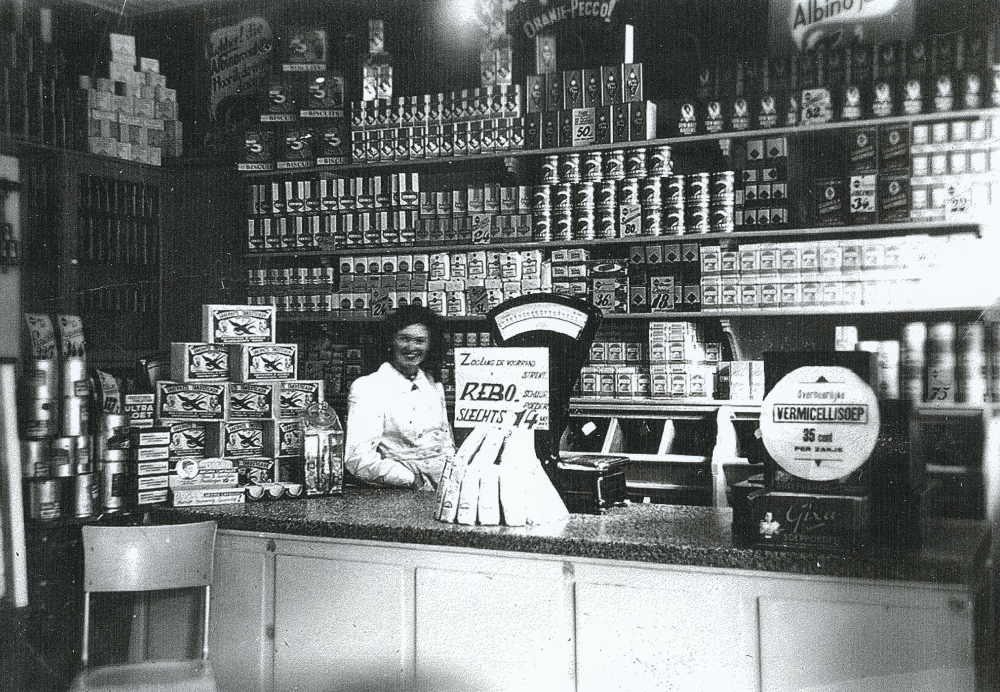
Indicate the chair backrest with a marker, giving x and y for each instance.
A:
(148, 558)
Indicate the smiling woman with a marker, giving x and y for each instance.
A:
(397, 424)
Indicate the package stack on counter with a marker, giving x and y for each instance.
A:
(56, 444)
(574, 108)
(679, 361)
(231, 409)
(130, 114)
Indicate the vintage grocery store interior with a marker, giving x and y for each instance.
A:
(712, 310)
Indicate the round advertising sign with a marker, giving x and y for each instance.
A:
(820, 423)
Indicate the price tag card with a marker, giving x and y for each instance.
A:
(817, 106)
(502, 386)
(584, 132)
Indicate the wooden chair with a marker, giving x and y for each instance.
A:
(141, 559)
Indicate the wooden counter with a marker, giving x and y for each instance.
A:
(368, 592)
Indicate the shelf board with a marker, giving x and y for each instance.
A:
(881, 229)
(648, 407)
(671, 141)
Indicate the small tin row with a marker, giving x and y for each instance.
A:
(649, 191)
(614, 164)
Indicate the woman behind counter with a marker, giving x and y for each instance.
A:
(397, 424)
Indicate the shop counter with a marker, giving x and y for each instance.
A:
(368, 591)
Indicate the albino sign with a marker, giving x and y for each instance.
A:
(508, 387)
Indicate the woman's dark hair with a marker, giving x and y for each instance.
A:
(407, 315)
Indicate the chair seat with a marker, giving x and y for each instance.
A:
(149, 676)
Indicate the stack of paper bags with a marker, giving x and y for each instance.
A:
(495, 478)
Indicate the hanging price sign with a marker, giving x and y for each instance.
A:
(502, 386)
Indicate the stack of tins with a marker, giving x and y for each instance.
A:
(57, 460)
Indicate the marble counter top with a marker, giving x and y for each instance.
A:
(666, 534)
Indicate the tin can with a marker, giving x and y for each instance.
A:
(661, 163)
(673, 220)
(35, 461)
(562, 196)
(606, 194)
(673, 191)
(85, 497)
(113, 486)
(45, 499)
(541, 227)
(42, 378)
(73, 416)
(569, 168)
(651, 193)
(583, 196)
(635, 163)
(62, 455)
(628, 192)
(614, 164)
(39, 417)
(723, 184)
(583, 225)
(592, 166)
(652, 222)
(605, 223)
(722, 219)
(541, 199)
(73, 379)
(698, 188)
(697, 218)
(83, 461)
(113, 433)
(550, 170)
(562, 224)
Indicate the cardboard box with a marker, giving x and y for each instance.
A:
(202, 401)
(261, 362)
(199, 362)
(251, 400)
(238, 324)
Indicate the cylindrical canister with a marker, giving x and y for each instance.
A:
(723, 184)
(73, 380)
(971, 364)
(941, 361)
(84, 458)
(35, 461)
(113, 482)
(605, 223)
(913, 362)
(628, 192)
(614, 164)
(85, 497)
(62, 453)
(42, 379)
(583, 196)
(652, 221)
(45, 500)
(635, 163)
(606, 194)
(73, 416)
(541, 199)
(660, 161)
(673, 220)
(541, 227)
(583, 224)
(550, 170)
(698, 188)
(722, 218)
(673, 191)
(39, 417)
(592, 166)
(651, 193)
(112, 433)
(697, 218)
(562, 224)
(569, 168)
(562, 196)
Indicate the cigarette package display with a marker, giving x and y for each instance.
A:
(238, 324)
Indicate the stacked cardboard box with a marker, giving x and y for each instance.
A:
(131, 113)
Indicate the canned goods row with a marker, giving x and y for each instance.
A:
(47, 417)
(614, 164)
(649, 191)
(56, 457)
(626, 221)
(77, 497)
